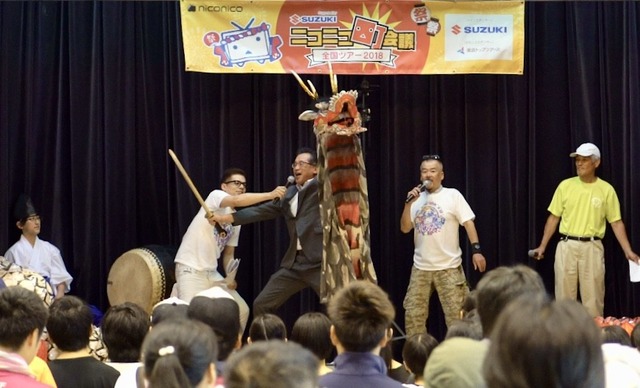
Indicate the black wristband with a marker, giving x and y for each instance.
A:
(475, 248)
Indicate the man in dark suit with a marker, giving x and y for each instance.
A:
(300, 207)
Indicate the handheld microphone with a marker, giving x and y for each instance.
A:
(290, 180)
(532, 254)
(426, 184)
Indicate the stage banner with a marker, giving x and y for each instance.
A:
(357, 37)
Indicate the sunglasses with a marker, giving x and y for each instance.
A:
(431, 157)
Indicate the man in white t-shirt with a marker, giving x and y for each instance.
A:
(435, 215)
(202, 244)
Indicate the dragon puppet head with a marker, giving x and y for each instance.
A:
(339, 115)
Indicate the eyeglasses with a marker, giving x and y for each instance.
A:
(238, 183)
(431, 157)
(300, 163)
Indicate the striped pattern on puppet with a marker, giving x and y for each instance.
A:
(344, 200)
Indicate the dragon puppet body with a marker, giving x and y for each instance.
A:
(344, 202)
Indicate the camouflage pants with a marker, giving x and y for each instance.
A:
(451, 286)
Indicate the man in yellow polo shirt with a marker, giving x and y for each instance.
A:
(581, 205)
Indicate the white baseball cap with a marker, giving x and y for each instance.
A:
(215, 293)
(586, 149)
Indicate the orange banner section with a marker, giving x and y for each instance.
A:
(357, 37)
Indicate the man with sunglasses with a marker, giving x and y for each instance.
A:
(202, 244)
(435, 213)
(300, 207)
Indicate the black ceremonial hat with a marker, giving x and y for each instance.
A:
(24, 208)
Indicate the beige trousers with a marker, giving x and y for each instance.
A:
(580, 264)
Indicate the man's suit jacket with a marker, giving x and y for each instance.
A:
(305, 225)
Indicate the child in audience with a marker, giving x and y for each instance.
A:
(180, 353)
(311, 330)
(267, 327)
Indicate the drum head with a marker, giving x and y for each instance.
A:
(137, 276)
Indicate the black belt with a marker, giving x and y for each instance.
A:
(564, 237)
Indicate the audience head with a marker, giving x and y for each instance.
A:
(311, 330)
(180, 353)
(272, 364)
(469, 303)
(222, 315)
(469, 327)
(361, 314)
(70, 323)
(541, 343)
(169, 309)
(635, 336)
(23, 316)
(267, 327)
(615, 334)
(124, 327)
(416, 351)
(500, 286)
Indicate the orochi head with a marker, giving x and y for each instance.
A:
(339, 115)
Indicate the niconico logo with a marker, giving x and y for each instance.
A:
(485, 30)
(215, 8)
(312, 19)
(456, 29)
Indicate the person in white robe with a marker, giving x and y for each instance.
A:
(35, 254)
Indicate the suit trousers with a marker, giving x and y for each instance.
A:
(286, 282)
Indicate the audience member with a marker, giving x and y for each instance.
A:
(395, 369)
(69, 328)
(621, 366)
(222, 316)
(457, 362)
(312, 331)
(469, 304)
(41, 371)
(415, 353)
(469, 327)
(540, 343)
(267, 327)
(124, 327)
(272, 364)
(615, 334)
(180, 353)
(361, 315)
(635, 336)
(22, 320)
(219, 292)
(169, 309)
